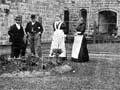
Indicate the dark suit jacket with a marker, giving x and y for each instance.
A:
(37, 27)
(16, 36)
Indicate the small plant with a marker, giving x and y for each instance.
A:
(56, 53)
(4, 59)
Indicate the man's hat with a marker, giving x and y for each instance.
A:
(18, 18)
(33, 16)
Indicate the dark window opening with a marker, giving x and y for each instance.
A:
(3, 1)
(84, 14)
(66, 20)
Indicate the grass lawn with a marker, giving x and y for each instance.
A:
(104, 47)
(97, 74)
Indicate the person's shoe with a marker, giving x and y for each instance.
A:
(74, 60)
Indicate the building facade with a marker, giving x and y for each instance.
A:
(100, 15)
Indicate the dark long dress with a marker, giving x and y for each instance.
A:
(79, 50)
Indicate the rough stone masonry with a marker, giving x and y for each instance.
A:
(95, 13)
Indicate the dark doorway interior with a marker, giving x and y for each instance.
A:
(66, 20)
(107, 22)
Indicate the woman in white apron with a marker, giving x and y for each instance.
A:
(58, 40)
(79, 49)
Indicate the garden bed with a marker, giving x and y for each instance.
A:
(30, 65)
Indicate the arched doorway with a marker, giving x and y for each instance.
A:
(107, 22)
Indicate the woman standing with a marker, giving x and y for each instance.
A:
(79, 49)
(58, 40)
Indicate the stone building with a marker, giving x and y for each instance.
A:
(100, 15)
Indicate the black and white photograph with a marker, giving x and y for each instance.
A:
(59, 44)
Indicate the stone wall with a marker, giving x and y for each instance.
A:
(105, 5)
(48, 9)
(45, 9)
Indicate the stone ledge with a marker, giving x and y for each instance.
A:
(105, 55)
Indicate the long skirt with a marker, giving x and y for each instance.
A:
(79, 49)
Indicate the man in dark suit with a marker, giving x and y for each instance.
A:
(34, 31)
(16, 34)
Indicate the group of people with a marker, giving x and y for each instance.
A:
(79, 48)
(33, 31)
(20, 37)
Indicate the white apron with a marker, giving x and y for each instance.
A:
(58, 42)
(76, 46)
